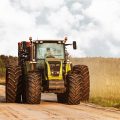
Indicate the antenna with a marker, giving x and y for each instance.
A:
(65, 39)
(30, 38)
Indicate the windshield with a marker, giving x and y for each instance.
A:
(50, 50)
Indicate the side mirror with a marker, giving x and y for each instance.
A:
(74, 45)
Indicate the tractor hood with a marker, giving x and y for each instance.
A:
(54, 69)
(53, 59)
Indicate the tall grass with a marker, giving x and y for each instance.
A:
(104, 79)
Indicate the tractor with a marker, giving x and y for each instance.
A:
(44, 67)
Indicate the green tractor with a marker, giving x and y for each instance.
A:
(44, 67)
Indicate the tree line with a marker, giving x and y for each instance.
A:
(4, 61)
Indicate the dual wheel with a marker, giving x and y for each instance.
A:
(17, 91)
(78, 86)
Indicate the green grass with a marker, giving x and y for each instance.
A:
(106, 102)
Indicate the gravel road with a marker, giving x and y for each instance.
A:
(49, 109)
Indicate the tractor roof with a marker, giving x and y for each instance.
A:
(49, 41)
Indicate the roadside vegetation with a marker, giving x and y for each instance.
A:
(106, 102)
(104, 80)
(4, 61)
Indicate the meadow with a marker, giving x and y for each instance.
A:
(104, 80)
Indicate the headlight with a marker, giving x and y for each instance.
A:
(58, 72)
(55, 73)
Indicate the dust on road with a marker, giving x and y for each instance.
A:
(49, 109)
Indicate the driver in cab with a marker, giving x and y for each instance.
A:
(49, 53)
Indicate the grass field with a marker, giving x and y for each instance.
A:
(104, 80)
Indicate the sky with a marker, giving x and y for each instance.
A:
(93, 24)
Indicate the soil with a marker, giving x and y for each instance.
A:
(49, 109)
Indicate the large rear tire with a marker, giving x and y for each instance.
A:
(73, 91)
(84, 71)
(33, 88)
(13, 84)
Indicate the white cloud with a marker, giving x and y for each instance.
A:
(94, 24)
(76, 6)
(61, 19)
(107, 14)
(114, 49)
(38, 5)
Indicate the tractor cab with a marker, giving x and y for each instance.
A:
(50, 49)
(50, 54)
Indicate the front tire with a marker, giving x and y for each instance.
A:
(73, 92)
(84, 71)
(33, 88)
(13, 84)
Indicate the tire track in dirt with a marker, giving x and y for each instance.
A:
(49, 109)
(79, 112)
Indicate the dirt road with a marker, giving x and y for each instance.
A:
(49, 109)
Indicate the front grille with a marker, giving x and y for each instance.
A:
(55, 68)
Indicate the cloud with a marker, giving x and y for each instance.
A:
(107, 16)
(94, 24)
